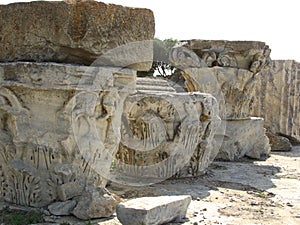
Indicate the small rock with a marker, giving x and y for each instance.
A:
(279, 143)
(46, 212)
(95, 203)
(67, 191)
(62, 208)
(153, 210)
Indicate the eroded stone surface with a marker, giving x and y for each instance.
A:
(244, 137)
(279, 143)
(166, 134)
(59, 125)
(248, 55)
(76, 32)
(278, 98)
(234, 87)
(62, 208)
(153, 210)
(95, 203)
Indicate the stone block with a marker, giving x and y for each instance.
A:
(244, 137)
(153, 210)
(77, 32)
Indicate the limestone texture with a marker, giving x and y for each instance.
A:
(230, 71)
(247, 55)
(62, 208)
(59, 126)
(244, 137)
(234, 88)
(279, 143)
(76, 32)
(95, 203)
(165, 134)
(153, 210)
(278, 98)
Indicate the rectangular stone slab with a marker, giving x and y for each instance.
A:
(153, 210)
(77, 32)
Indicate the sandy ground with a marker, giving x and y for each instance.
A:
(232, 193)
(245, 192)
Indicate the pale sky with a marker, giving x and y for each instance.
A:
(275, 22)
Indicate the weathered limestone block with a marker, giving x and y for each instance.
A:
(166, 134)
(95, 203)
(279, 143)
(153, 210)
(278, 100)
(76, 32)
(59, 124)
(244, 137)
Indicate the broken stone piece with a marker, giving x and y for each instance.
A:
(279, 143)
(244, 137)
(153, 210)
(67, 191)
(95, 203)
(62, 208)
(76, 32)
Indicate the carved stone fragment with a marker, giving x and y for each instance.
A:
(166, 134)
(76, 32)
(228, 76)
(249, 55)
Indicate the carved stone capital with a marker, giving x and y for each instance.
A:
(60, 124)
